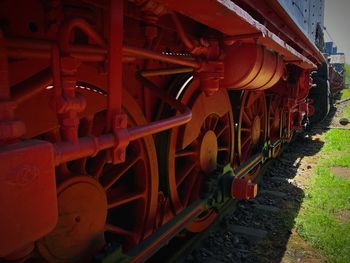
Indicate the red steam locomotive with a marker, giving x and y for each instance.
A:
(124, 122)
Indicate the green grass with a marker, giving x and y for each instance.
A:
(327, 196)
(347, 74)
(346, 92)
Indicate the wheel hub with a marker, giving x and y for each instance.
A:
(256, 130)
(208, 152)
(82, 206)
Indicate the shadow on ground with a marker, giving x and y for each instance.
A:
(259, 230)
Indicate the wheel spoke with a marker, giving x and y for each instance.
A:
(116, 199)
(246, 130)
(220, 132)
(247, 139)
(246, 118)
(184, 153)
(195, 193)
(115, 174)
(224, 149)
(254, 108)
(261, 115)
(215, 123)
(184, 173)
(98, 163)
(118, 230)
(189, 188)
(245, 154)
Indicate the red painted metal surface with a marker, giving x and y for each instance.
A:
(91, 81)
(275, 123)
(243, 189)
(28, 203)
(252, 128)
(196, 149)
(273, 12)
(250, 66)
(221, 15)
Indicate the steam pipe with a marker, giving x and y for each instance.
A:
(67, 28)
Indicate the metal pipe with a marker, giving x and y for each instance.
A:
(139, 52)
(89, 146)
(26, 53)
(185, 40)
(47, 45)
(32, 86)
(39, 49)
(86, 146)
(165, 71)
(67, 28)
(158, 126)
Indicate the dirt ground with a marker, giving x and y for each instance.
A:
(262, 229)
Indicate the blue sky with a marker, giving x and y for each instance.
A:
(337, 22)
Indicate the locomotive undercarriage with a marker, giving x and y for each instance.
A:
(140, 137)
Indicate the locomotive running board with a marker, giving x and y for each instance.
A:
(223, 14)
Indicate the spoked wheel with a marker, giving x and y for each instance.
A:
(275, 114)
(99, 202)
(252, 128)
(196, 149)
(287, 132)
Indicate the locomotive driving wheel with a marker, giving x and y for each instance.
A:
(99, 202)
(196, 149)
(275, 113)
(252, 128)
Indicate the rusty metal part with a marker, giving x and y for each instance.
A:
(250, 66)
